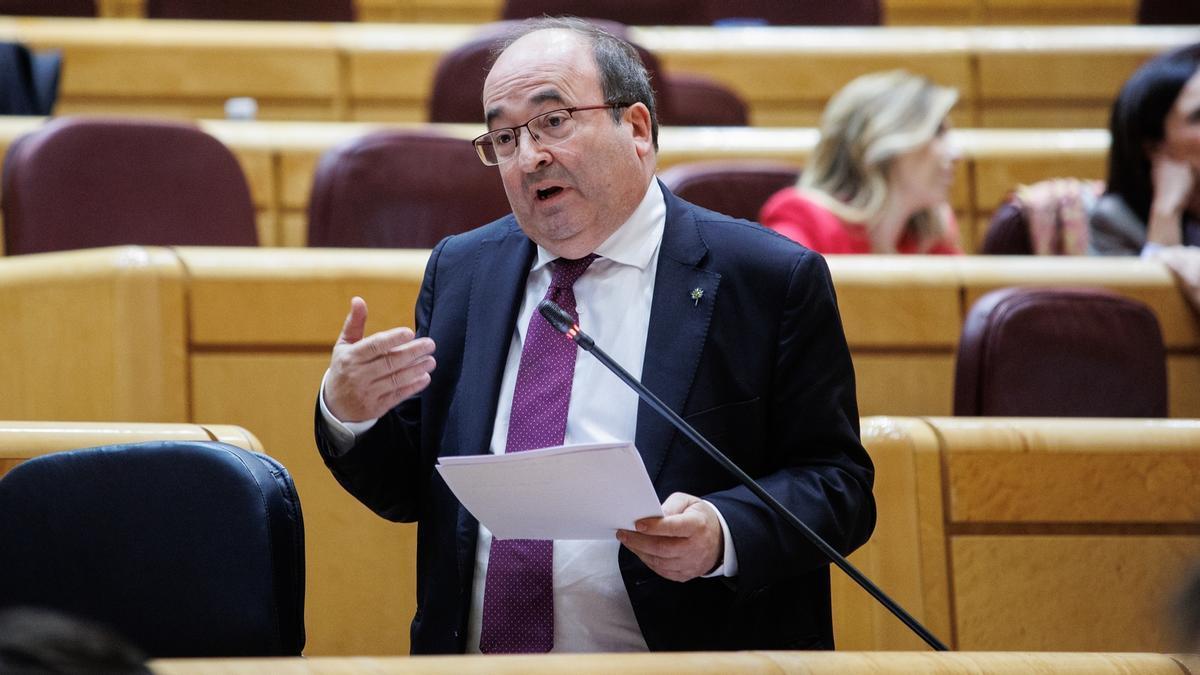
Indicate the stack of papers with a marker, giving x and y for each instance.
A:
(586, 491)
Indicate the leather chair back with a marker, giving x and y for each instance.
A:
(48, 7)
(799, 12)
(401, 189)
(704, 12)
(735, 188)
(1168, 12)
(252, 10)
(186, 548)
(86, 182)
(628, 12)
(1060, 352)
(458, 80)
(697, 100)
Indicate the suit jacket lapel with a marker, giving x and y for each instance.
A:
(497, 286)
(680, 312)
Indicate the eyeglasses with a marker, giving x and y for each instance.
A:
(549, 128)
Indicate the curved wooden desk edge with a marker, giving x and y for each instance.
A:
(814, 663)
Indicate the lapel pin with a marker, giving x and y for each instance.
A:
(697, 293)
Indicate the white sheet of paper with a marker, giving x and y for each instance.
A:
(585, 491)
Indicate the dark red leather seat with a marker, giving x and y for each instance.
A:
(87, 182)
(48, 7)
(704, 12)
(458, 81)
(628, 12)
(1168, 12)
(458, 85)
(401, 189)
(697, 100)
(252, 10)
(1060, 352)
(735, 188)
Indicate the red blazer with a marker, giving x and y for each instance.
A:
(799, 218)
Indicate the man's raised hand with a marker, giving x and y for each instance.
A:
(370, 375)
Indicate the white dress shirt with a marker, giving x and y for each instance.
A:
(592, 611)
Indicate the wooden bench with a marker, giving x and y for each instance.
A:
(895, 12)
(1029, 77)
(243, 336)
(700, 663)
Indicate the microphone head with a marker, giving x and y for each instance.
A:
(557, 316)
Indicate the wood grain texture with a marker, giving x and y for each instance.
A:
(360, 579)
(93, 335)
(765, 663)
(896, 558)
(384, 71)
(1075, 593)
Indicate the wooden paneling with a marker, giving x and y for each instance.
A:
(903, 553)
(1072, 471)
(383, 72)
(360, 583)
(93, 335)
(895, 12)
(904, 383)
(1068, 592)
(295, 297)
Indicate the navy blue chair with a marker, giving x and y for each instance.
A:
(188, 549)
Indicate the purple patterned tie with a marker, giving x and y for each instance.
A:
(518, 599)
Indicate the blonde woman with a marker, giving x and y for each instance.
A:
(878, 179)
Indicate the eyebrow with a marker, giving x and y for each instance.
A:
(537, 99)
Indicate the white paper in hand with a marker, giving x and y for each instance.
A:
(586, 491)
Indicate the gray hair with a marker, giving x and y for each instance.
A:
(623, 76)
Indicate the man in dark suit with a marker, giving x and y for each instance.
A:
(732, 325)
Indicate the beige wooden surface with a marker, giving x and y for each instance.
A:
(772, 663)
(280, 159)
(895, 12)
(94, 335)
(1068, 534)
(243, 336)
(1031, 76)
(20, 441)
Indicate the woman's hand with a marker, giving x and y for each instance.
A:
(1174, 181)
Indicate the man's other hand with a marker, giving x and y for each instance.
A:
(685, 543)
(370, 375)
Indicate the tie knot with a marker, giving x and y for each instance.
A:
(566, 271)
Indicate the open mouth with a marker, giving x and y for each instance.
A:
(547, 193)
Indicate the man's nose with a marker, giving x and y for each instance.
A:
(531, 155)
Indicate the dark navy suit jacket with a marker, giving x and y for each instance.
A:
(759, 365)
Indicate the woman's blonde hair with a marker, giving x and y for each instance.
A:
(865, 126)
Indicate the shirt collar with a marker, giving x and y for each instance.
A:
(635, 242)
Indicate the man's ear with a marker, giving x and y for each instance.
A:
(638, 116)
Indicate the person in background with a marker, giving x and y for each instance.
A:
(41, 641)
(1152, 199)
(878, 179)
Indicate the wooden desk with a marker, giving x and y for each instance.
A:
(699, 663)
(243, 336)
(20, 441)
(895, 12)
(384, 71)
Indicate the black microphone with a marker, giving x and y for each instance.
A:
(562, 322)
